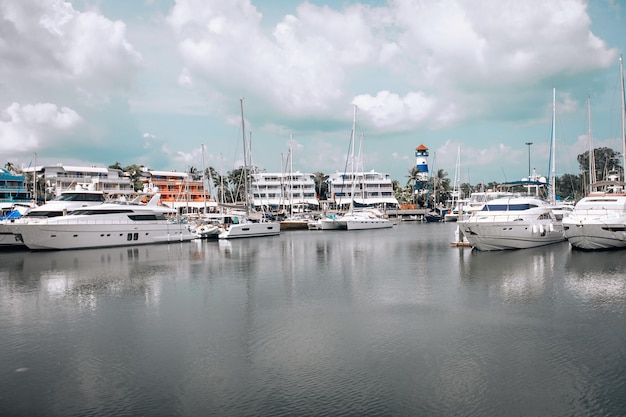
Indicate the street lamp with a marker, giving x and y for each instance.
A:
(529, 143)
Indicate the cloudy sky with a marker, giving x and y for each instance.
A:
(150, 81)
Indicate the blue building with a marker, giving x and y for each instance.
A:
(12, 187)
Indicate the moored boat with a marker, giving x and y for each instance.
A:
(115, 223)
(598, 220)
(512, 223)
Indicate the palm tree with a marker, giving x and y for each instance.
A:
(321, 185)
(9, 166)
(441, 182)
(415, 181)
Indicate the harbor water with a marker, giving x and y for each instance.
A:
(391, 322)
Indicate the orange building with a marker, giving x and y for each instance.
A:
(179, 191)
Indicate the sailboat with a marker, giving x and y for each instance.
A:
(456, 205)
(244, 224)
(355, 219)
(207, 226)
(433, 214)
(598, 220)
(298, 220)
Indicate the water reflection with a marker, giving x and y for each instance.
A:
(308, 323)
(521, 275)
(596, 277)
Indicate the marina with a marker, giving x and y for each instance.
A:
(366, 322)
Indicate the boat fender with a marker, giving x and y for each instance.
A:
(551, 227)
(534, 229)
(542, 232)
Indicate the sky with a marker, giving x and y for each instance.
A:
(160, 83)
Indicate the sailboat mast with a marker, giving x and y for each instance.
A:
(623, 114)
(203, 181)
(291, 174)
(552, 194)
(352, 138)
(245, 159)
(592, 159)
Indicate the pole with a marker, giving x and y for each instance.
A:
(529, 143)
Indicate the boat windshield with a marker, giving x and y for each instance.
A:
(97, 197)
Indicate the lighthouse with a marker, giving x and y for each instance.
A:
(421, 164)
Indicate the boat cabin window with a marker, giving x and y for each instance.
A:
(508, 207)
(146, 217)
(38, 214)
(91, 212)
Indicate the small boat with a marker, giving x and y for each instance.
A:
(241, 225)
(206, 229)
(297, 221)
(433, 216)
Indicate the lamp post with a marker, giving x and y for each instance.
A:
(528, 144)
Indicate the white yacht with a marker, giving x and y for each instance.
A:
(115, 223)
(240, 225)
(598, 221)
(512, 223)
(365, 219)
(65, 203)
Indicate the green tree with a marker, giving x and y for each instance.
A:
(606, 160)
(321, 185)
(416, 183)
(441, 183)
(569, 187)
(134, 173)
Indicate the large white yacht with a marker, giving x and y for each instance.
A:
(598, 220)
(64, 204)
(517, 220)
(114, 223)
(512, 223)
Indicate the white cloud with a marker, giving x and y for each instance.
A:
(390, 111)
(49, 46)
(23, 127)
(447, 51)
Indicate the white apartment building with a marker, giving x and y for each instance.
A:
(366, 188)
(282, 190)
(64, 177)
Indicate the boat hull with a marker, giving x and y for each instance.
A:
(294, 224)
(504, 236)
(67, 235)
(332, 224)
(251, 229)
(8, 239)
(596, 235)
(366, 224)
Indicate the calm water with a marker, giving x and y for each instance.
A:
(365, 323)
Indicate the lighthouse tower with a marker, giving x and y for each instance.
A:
(421, 163)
